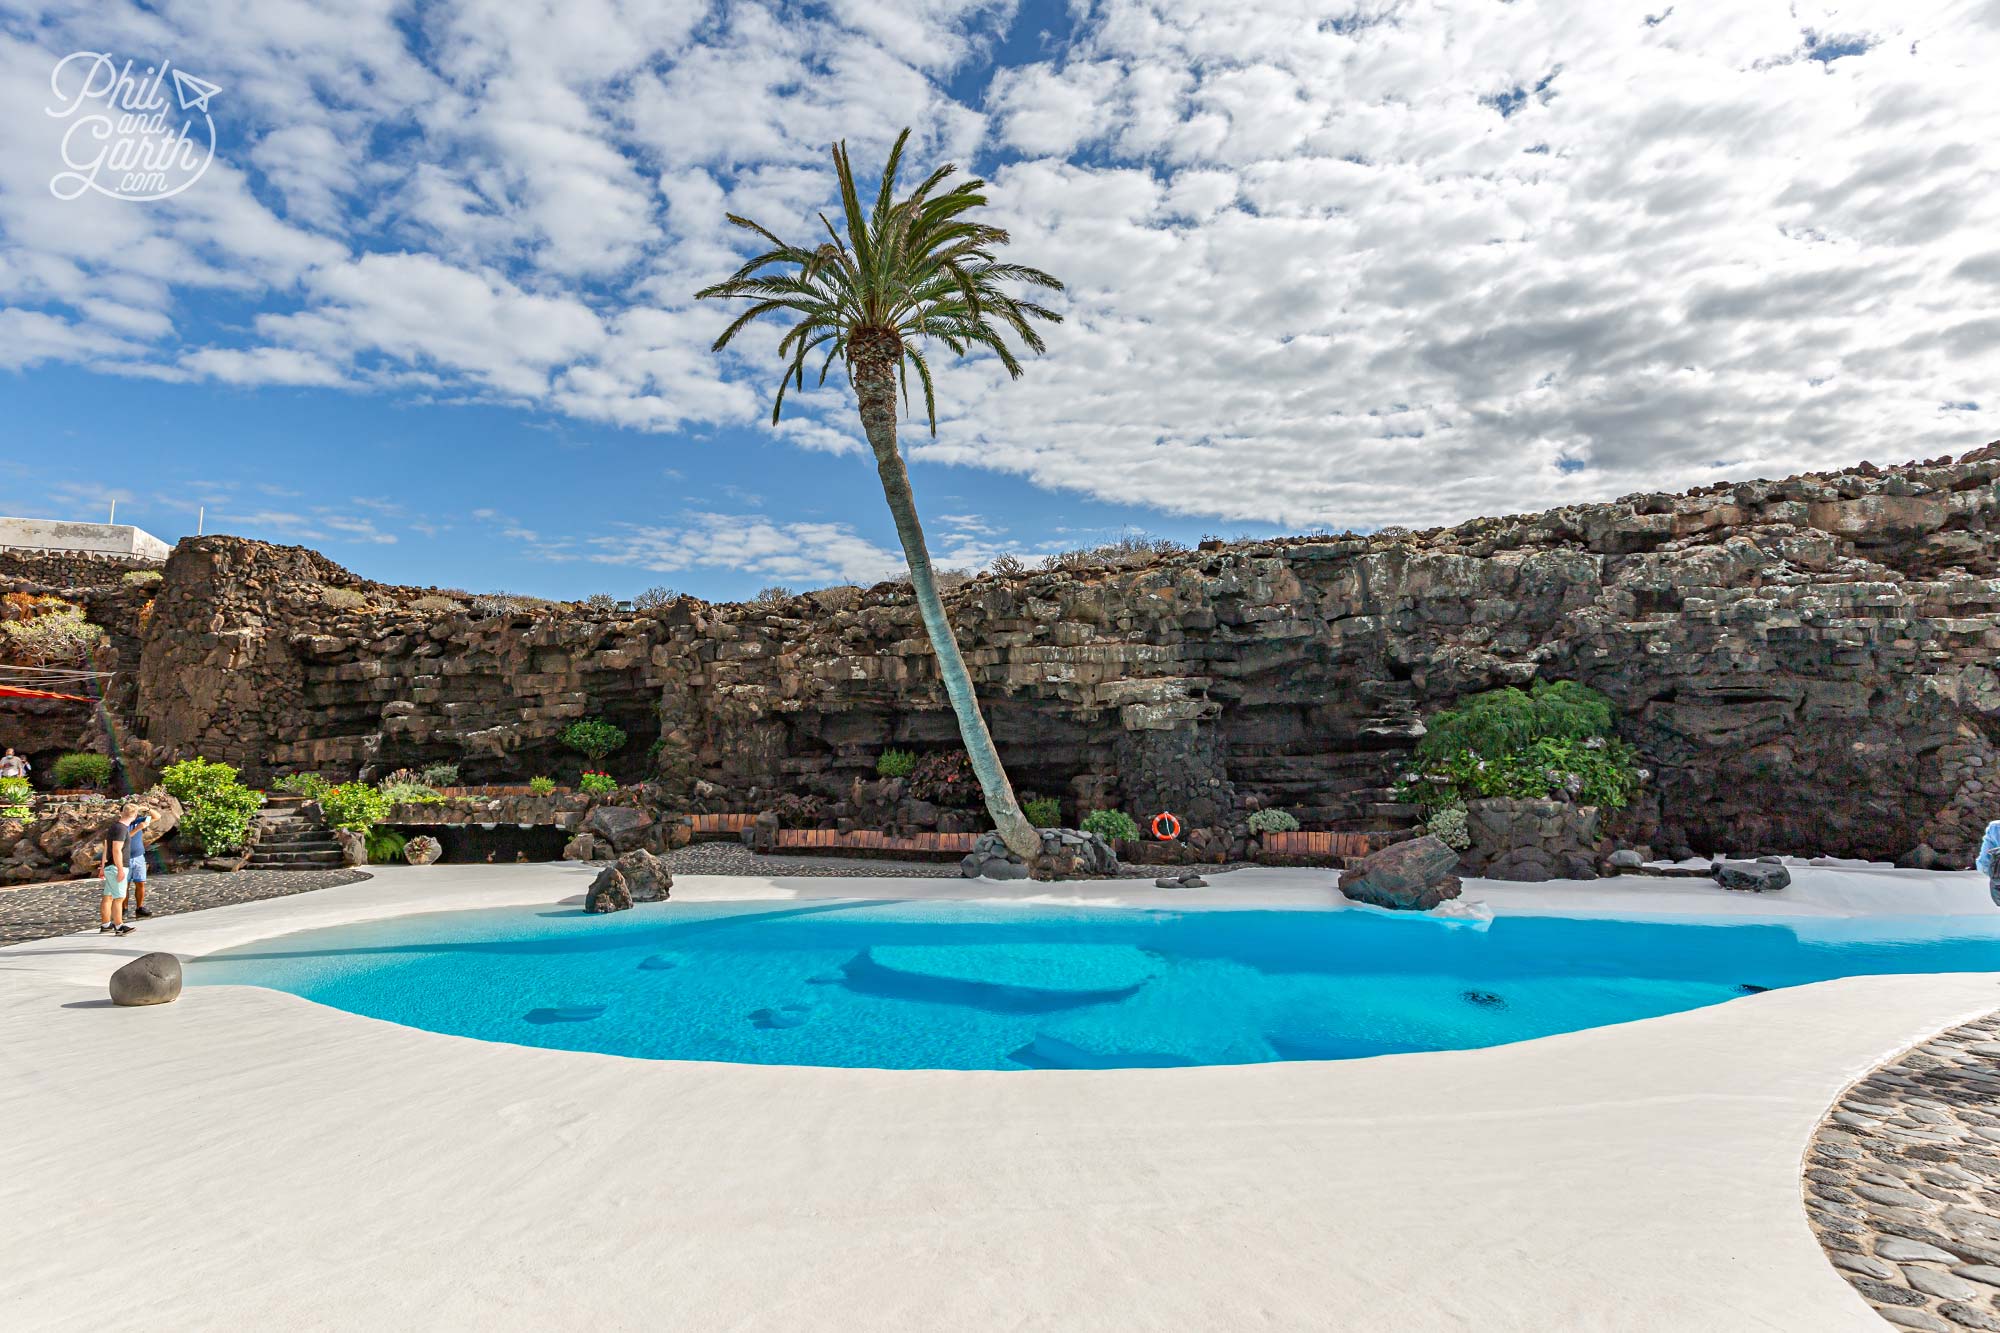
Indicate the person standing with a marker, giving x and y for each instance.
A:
(135, 863)
(1988, 864)
(13, 765)
(111, 873)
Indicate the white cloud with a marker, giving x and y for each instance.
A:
(1350, 264)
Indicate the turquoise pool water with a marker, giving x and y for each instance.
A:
(968, 986)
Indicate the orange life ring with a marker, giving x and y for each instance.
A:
(1173, 829)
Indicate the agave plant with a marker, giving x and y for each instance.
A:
(877, 296)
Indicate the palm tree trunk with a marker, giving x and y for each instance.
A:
(874, 384)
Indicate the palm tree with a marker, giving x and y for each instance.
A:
(916, 269)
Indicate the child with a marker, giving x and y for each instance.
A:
(111, 907)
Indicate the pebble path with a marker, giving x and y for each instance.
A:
(1902, 1183)
(42, 910)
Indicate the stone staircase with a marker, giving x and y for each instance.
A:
(288, 840)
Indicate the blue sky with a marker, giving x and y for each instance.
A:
(1330, 265)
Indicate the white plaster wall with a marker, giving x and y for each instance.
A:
(115, 539)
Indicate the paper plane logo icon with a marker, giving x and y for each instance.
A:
(194, 93)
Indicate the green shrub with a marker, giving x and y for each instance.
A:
(1111, 825)
(216, 808)
(1448, 825)
(1043, 813)
(1553, 742)
(81, 770)
(596, 784)
(593, 738)
(309, 785)
(56, 634)
(946, 778)
(439, 775)
(895, 764)
(354, 806)
(1502, 721)
(385, 845)
(541, 786)
(409, 793)
(14, 796)
(142, 578)
(1273, 821)
(192, 779)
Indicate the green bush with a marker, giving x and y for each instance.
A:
(142, 578)
(193, 779)
(81, 770)
(1111, 825)
(354, 806)
(895, 764)
(216, 808)
(1274, 821)
(596, 784)
(410, 793)
(593, 738)
(1448, 825)
(1043, 813)
(439, 775)
(57, 635)
(14, 795)
(1551, 743)
(385, 845)
(309, 785)
(1502, 721)
(541, 786)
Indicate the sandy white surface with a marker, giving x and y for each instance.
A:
(283, 1165)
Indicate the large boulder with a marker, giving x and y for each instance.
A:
(1751, 876)
(620, 825)
(647, 878)
(586, 847)
(1066, 853)
(608, 892)
(1412, 876)
(152, 978)
(422, 850)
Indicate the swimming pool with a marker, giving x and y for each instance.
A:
(902, 985)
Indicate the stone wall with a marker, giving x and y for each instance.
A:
(1805, 664)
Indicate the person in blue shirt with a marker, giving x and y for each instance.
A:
(1986, 864)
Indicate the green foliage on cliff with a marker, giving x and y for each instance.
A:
(1111, 825)
(1500, 722)
(593, 738)
(895, 764)
(216, 808)
(541, 786)
(1552, 742)
(597, 784)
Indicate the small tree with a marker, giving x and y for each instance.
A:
(593, 738)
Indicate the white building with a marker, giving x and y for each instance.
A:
(120, 541)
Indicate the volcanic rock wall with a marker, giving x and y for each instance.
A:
(1806, 665)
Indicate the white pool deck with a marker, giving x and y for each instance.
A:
(244, 1159)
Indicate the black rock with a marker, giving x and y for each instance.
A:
(1750, 876)
(153, 978)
